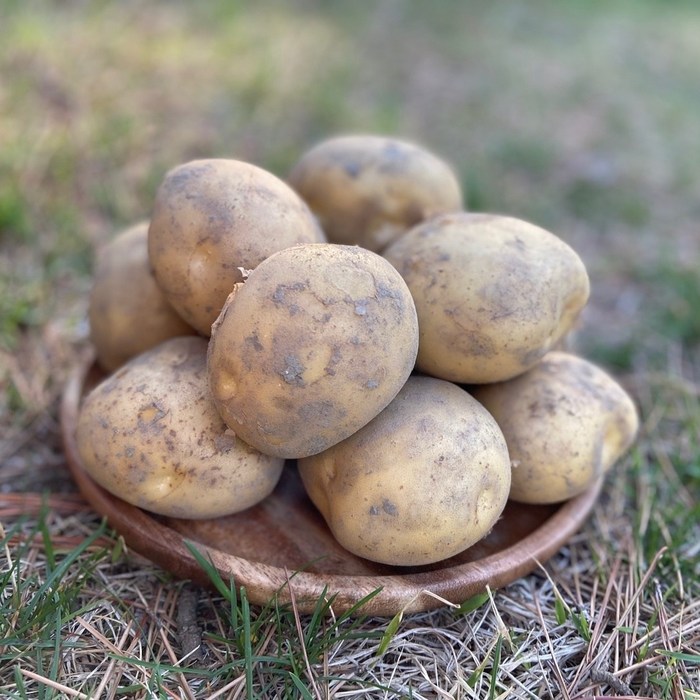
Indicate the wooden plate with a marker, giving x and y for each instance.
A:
(283, 542)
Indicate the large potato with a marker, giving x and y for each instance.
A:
(368, 190)
(211, 220)
(151, 435)
(566, 422)
(493, 294)
(128, 311)
(424, 480)
(311, 347)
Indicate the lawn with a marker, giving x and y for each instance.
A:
(581, 117)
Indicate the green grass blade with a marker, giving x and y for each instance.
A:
(57, 574)
(680, 656)
(389, 633)
(117, 550)
(170, 668)
(233, 603)
(301, 687)
(472, 603)
(474, 675)
(210, 570)
(56, 657)
(247, 643)
(580, 622)
(317, 617)
(352, 611)
(47, 542)
(19, 682)
(495, 667)
(561, 612)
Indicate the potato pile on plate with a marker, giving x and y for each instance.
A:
(357, 320)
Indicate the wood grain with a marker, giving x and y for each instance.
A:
(284, 542)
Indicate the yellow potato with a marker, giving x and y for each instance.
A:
(211, 220)
(493, 294)
(424, 480)
(150, 434)
(311, 347)
(566, 422)
(368, 190)
(128, 312)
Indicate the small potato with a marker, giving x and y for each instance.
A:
(128, 312)
(368, 190)
(150, 434)
(566, 422)
(312, 346)
(424, 480)
(493, 294)
(211, 220)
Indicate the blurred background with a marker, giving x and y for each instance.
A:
(581, 117)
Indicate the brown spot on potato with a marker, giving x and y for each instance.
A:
(254, 341)
(389, 508)
(361, 307)
(352, 169)
(323, 412)
(281, 291)
(293, 371)
(224, 442)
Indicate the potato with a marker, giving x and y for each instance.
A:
(312, 346)
(211, 220)
(128, 312)
(566, 422)
(493, 294)
(424, 480)
(150, 434)
(368, 190)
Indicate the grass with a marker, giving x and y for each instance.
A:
(89, 620)
(579, 117)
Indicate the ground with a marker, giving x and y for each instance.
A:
(579, 117)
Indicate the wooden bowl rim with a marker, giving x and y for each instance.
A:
(410, 592)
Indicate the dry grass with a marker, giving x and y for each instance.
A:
(580, 119)
(593, 620)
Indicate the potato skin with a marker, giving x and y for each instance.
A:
(213, 217)
(368, 190)
(151, 435)
(493, 294)
(128, 311)
(424, 480)
(566, 422)
(311, 347)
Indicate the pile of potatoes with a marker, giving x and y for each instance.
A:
(356, 319)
